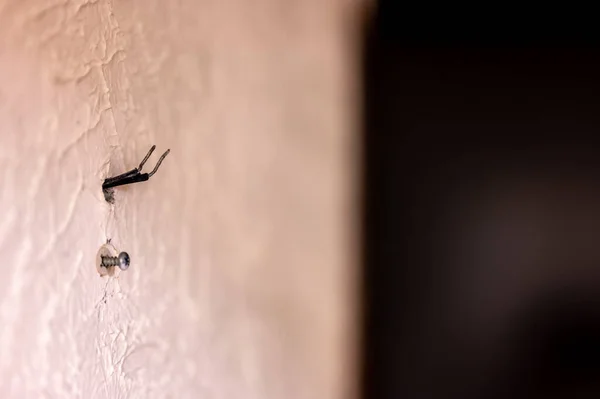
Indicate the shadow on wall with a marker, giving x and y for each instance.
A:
(482, 217)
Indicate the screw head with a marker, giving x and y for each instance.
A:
(124, 260)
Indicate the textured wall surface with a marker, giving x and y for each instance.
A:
(243, 256)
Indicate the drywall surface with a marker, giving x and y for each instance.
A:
(242, 247)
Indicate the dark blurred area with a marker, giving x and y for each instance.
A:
(482, 213)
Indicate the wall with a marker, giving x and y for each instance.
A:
(242, 245)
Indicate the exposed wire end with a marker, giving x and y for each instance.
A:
(133, 176)
(159, 162)
(146, 158)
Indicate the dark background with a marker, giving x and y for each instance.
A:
(482, 209)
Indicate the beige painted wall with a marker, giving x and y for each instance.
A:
(243, 246)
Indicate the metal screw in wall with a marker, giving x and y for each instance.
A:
(110, 261)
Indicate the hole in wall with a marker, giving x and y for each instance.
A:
(105, 250)
(109, 195)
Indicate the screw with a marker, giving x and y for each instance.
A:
(122, 261)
